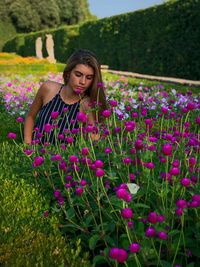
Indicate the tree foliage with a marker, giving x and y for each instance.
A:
(28, 15)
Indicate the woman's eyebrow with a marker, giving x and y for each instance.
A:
(83, 73)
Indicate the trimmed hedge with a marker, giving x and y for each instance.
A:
(162, 40)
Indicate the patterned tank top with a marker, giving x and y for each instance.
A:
(48, 128)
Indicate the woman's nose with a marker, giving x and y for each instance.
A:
(82, 80)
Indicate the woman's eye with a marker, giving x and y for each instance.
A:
(78, 74)
(89, 77)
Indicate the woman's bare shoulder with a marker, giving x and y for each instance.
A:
(48, 90)
(49, 86)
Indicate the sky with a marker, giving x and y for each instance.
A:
(107, 8)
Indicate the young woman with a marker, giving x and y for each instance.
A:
(58, 104)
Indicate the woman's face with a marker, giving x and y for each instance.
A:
(81, 78)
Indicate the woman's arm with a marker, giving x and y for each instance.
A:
(31, 115)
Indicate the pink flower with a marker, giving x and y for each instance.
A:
(113, 103)
(20, 119)
(185, 182)
(127, 160)
(56, 157)
(99, 172)
(38, 160)
(82, 117)
(69, 139)
(127, 213)
(106, 113)
(162, 235)
(98, 163)
(181, 203)
(108, 150)
(179, 211)
(47, 128)
(167, 149)
(79, 191)
(134, 247)
(164, 110)
(152, 217)
(174, 171)
(118, 254)
(138, 144)
(12, 135)
(192, 161)
(149, 165)
(85, 151)
(73, 159)
(54, 115)
(150, 231)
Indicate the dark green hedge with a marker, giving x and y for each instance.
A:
(162, 40)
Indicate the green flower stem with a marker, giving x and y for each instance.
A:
(158, 256)
(103, 188)
(99, 205)
(72, 222)
(181, 234)
(137, 260)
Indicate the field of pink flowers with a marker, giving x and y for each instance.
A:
(133, 197)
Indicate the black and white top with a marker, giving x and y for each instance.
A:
(47, 129)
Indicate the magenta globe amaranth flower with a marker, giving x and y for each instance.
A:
(47, 128)
(127, 213)
(185, 182)
(69, 139)
(134, 247)
(164, 110)
(20, 119)
(98, 163)
(108, 150)
(113, 103)
(138, 144)
(152, 217)
(150, 232)
(85, 151)
(54, 115)
(192, 161)
(149, 165)
(81, 117)
(38, 160)
(106, 113)
(79, 191)
(181, 203)
(167, 149)
(162, 235)
(12, 135)
(127, 160)
(73, 159)
(99, 172)
(56, 157)
(174, 171)
(118, 254)
(179, 211)
(196, 197)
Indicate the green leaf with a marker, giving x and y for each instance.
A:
(166, 264)
(93, 241)
(140, 205)
(99, 259)
(174, 232)
(70, 213)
